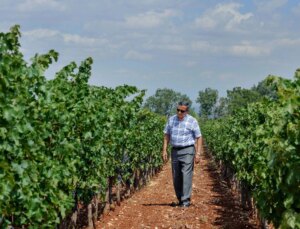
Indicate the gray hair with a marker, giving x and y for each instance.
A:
(186, 104)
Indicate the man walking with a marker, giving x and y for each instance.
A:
(183, 133)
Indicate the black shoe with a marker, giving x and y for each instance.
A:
(184, 204)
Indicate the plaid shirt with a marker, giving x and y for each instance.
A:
(182, 133)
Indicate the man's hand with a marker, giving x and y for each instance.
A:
(165, 147)
(165, 155)
(198, 149)
(197, 158)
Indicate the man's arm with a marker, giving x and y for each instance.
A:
(165, 147)
(198, 148)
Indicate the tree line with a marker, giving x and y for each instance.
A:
(211, 106)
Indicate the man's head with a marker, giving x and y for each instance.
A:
(182, 109)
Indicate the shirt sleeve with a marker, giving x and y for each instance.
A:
(196, 129)
(167, 128)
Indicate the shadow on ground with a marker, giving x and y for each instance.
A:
(230, 213)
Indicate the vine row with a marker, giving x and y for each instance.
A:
(61, 139)
(261, 144)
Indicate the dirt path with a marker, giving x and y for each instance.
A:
(213, 205)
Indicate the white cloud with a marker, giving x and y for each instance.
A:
(244, 48)
(149, 19)
(206, 22)
(250, 50)
(204, 46)
(269, 5)
(223, 15)
(287, 42)
(41, 33)
(163, 45)
(134, 55)
(82, 40)
(36, 5)
(164, 42)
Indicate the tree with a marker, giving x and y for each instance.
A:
(207, 100)
(165, 100)
(241, 97)
(265, 89)
(221, 109)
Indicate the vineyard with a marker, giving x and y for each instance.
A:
(261, 146)
(64, 142)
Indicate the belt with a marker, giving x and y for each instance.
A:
(181, 147)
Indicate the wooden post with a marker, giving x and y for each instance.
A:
(90, 217)
(74, 219)
(95, 215)
(264, 223)
(118, 192)
(142, 178)
(107, 199)
(75, 212)
(128, 187)
(148, 176)
(136, 179)
(110, 184)
(245, 196)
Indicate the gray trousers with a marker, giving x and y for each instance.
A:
(182, 171)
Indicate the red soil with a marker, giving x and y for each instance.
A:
(214, 205)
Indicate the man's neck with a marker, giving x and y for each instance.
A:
(180, 119)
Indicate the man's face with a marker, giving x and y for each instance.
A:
(181, 111)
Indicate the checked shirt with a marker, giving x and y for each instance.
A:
(182, 133)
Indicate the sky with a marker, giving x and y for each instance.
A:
(184, 45)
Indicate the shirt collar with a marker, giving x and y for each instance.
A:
(184, 118)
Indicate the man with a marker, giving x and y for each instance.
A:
(183, 133)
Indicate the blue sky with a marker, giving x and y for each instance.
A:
(185, 45)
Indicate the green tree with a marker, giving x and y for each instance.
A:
(207, 100)
(266, 89)
(165, 100)
(241, 97)
(221, 109)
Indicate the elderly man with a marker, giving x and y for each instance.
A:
(183, 133)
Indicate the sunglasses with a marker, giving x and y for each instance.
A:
(182, 111)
